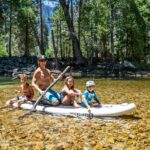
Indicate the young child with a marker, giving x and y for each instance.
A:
(26, 92)
(89, 94)
(69, 93)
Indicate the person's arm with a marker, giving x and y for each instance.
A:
(18, 91)
(51, 75)
(34, 82)
(70, 92)
(79, 93)
(85, 102)
(31, 93)
(96, 99)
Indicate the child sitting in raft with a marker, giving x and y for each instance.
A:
(89, 94)
(69, 93)
(26, 92)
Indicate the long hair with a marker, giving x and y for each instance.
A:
(66, 80)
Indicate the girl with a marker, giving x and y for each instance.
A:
(69, 93)
(26, 92)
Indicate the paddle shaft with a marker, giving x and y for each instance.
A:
(90, 116)
(51, 85)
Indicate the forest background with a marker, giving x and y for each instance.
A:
(82, 31)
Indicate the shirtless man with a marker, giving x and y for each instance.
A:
(42, 78)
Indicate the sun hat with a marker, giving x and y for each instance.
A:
(90, 83)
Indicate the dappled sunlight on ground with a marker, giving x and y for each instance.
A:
(40, 132)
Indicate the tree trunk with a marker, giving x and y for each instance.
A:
(112, 32)
(27, 39)
(92, 50)
(5, 23)
(75, 41)
(79, 20)
(55, 50)
(96, 50)
(72, 17)
(35, 34)
(127, 45)
(57, 37)
(104, 47)
(60, 40)
(41, 21)
(10, 31)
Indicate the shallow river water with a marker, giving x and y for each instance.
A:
(42, 131)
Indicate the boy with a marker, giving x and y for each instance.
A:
(26, 92)
(89, 94)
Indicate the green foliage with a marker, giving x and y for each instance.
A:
(130, 32)
(22, 18)
(92, 21)
(48, 53)
(3, 52)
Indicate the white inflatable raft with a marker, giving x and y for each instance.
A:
(106, 110)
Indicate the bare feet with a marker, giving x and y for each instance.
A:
(29, 102)
(76, 105)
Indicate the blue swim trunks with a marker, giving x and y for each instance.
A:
(52, 96)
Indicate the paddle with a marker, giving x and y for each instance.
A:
(90, 116)
(50, 86)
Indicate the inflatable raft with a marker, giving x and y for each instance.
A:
(107, 110)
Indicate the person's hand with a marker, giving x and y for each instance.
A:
(17, 91)
(89, 108)
(29, 102)
(43, 92)
(77, 94)
(100, 105)
(72, 93)
(80, 93)
(54, 80)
